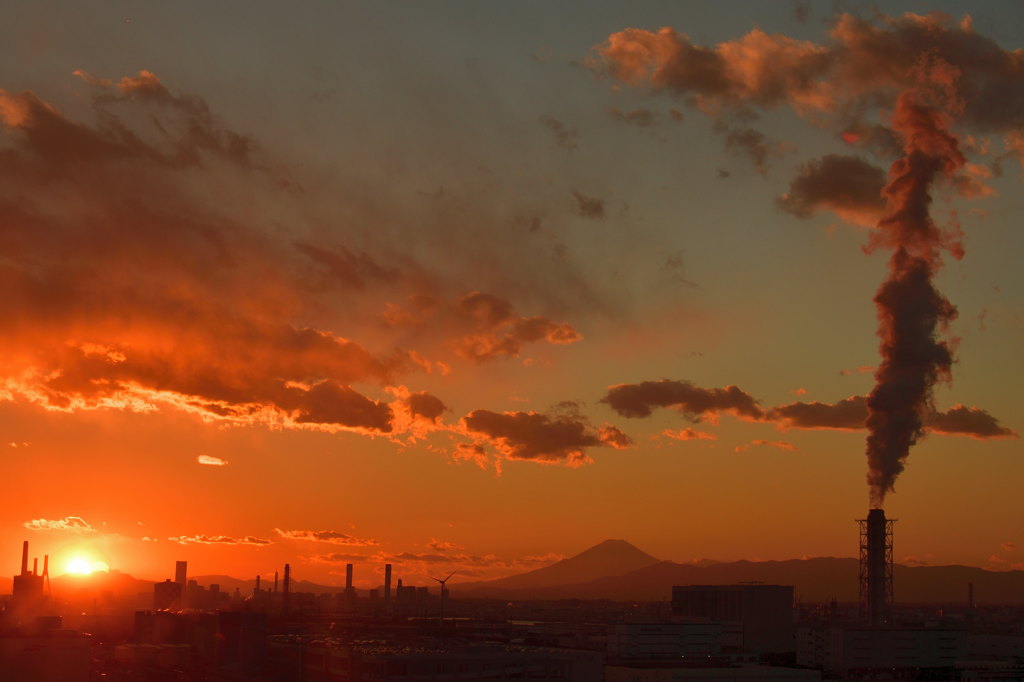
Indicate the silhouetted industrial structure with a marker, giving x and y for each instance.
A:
(28, 591)
(761, 615)
(876, 562)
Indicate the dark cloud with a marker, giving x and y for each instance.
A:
(346, 267)
(565, 135)
(641, 118)
(329, 403)
(847, 414)
(427, 406)
(802, 10)
(553, 439)
(846, 185)
(752, 144)
(638, 400)
(969, 421)
(588, 207)
(850, 414)
(499, 331)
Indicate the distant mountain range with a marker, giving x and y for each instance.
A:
(615, 569)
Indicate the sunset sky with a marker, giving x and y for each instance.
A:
(474, 286)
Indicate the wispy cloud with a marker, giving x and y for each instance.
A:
(74, 524)
(211, 460)
(777, 444)
(331, 536)
(218, 540)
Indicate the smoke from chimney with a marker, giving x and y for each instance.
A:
(910, 309)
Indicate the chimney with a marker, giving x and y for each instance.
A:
(387, 583)
(257, 583)
(287, 584)
(35, 566)
(24, 558)
(275, 582)
(348, 577)
(876, 561)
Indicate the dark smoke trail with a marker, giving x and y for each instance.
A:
(910, 310)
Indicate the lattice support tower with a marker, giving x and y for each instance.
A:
(876, 567)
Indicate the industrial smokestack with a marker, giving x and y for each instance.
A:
(876, 561)
(24, 557)
(35, 566)
(287, 584)
(275, 582)
(257, 583)
(387, 583)
(348, 577)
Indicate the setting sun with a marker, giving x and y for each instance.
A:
(82, 566)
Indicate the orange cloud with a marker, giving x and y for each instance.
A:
(218, 540)
(688, 434)
(75, 524)
(866, 63)
(330, 536)
(211, 461)
(127, 289)
(845, 185)
(777, 444)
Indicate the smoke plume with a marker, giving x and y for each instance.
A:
(910, 310)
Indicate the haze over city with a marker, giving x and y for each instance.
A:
(473, 287)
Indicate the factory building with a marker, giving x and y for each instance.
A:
(760, 615)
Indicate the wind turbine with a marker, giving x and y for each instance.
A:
(444, 593)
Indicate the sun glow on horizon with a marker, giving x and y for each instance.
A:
(82, 566)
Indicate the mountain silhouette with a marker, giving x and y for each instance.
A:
(607, 559)
(815, 580)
